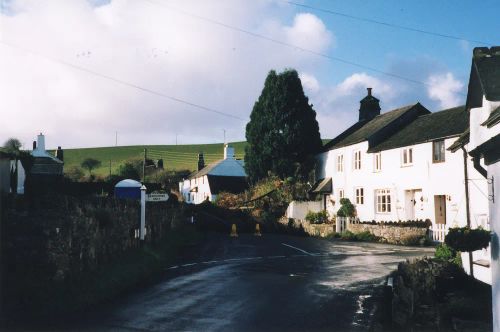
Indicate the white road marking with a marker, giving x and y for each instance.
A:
(210, 262)
(305, 252)
(190, 264)
(172, 267)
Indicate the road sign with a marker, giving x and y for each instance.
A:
(157, 197)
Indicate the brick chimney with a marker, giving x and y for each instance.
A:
(60, 153)
(369, 108)
(201, 161)
(228, 152)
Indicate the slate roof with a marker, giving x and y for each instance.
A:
(382, 125)
(484, 76)
(322, 186)
(231, 184)
(429, 127)
(493, 119)
(210, 167)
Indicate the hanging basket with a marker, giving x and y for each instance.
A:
(466, 239)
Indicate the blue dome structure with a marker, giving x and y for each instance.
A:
(128, 188)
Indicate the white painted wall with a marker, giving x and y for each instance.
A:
(478, 135)
(299, 210)
(424, 176)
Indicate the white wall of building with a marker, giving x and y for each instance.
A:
(480, 134)
(494, 171)
(198, 195)
(422, 181)
(299, 210)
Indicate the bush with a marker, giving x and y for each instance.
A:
(408, 223)
(412, 240)
(347, 209)
(317, 217)
(445, 253)
(365, 236)
(467, 239)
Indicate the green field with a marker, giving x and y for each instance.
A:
(175, 157)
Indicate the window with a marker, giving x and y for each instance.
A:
(360, 196)
(383, 200)
(357, 159)
(341, 193)
(340, 163)
(438, 151)
(407, 157)
(377, 162)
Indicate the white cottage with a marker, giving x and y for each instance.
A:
(396, 166)
(483, 105)
(226, 175)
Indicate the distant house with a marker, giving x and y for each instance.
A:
(483, 139)
(396, 166)
(226, 175)
(46, 165)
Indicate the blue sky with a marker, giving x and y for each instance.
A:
(81, 70)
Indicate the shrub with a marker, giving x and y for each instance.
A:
(347, 209)
(348, 236)
(317, 217)
(467, 239)
(446, 253)
(412, 240)
(366, 236)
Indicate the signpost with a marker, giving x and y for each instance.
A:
(157, 197)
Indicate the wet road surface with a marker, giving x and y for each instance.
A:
(268, 283)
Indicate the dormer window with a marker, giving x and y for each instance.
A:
(407, 157)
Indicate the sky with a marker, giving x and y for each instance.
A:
(84, 72)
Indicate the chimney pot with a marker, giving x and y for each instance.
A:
(34, 145)
(369, 91)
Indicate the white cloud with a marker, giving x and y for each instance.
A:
(445, 89)
(309, 83)
(308, 31)
(150, 46)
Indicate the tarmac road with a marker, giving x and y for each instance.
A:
(268, 283)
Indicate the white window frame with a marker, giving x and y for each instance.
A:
(383, 201)
(407, 157)
(442, 152)
(377, 162)
(357, 160)
(340, 163)
(359, 195)
(341, 194)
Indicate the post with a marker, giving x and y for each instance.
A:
(110, 168)
(467, 208)
(143, 213)
(144, 165)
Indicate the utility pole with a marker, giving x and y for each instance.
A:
(116, 138)
(224, 135)
(175, 139)
(144, 165)
(110, 168)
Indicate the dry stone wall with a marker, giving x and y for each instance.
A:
(389, 233)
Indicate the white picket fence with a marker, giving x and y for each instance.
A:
(437, 232)
(341, 224)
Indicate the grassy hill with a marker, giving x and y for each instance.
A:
(174, 156)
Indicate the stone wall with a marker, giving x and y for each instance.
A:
(391, 234)
(65, 235)
(320, 230)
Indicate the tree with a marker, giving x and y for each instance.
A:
(12, 145)
(129, 171)
(283, 134)
(90, 164)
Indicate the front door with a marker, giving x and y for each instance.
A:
(440, 208)
(410, 204)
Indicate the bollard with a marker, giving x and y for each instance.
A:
(257, 230)
(234, 233)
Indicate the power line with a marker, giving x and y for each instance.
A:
(119, 81)
(392, 25)
(296, 47)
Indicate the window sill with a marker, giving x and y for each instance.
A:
(438, 161)
(406, 165)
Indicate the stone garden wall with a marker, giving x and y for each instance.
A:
(391, 234)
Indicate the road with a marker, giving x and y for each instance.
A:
(268, 283)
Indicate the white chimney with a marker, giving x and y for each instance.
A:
(228, 152)
(40, 146)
